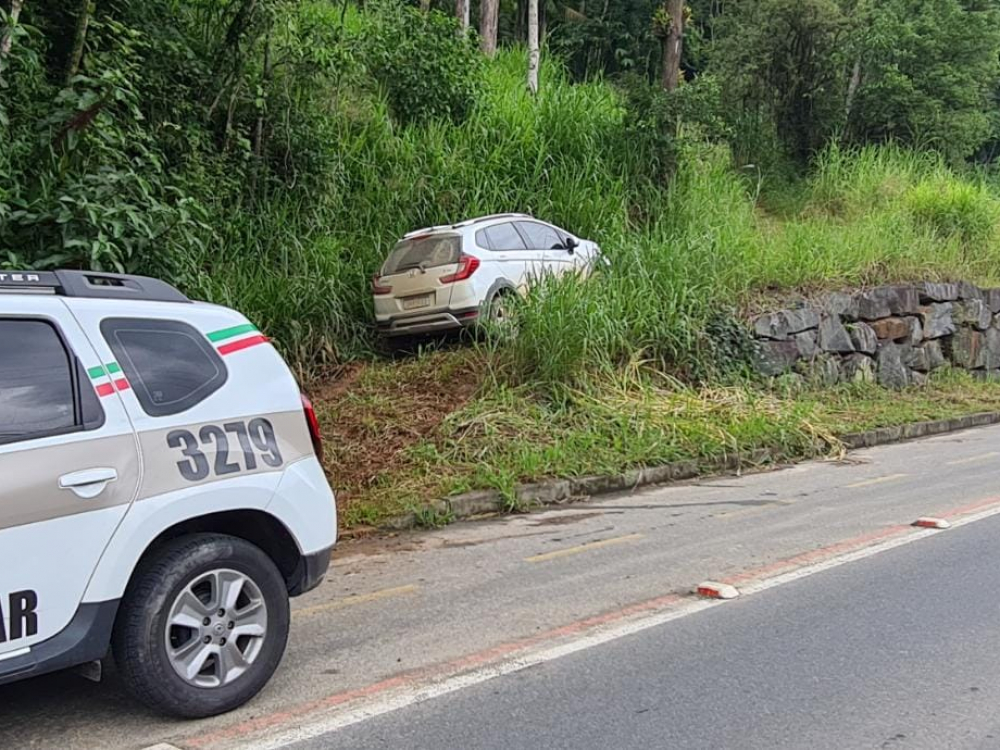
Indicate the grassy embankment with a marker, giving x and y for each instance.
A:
(593, 381)
(582, 389)
(400, 436)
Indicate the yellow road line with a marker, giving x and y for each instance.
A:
(972, 459)
(878, 480)
(730, 514)
(348, 601)
(582, 548)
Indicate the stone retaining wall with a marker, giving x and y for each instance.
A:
(893, 335)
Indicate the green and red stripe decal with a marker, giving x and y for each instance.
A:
(112, 376)
(237, 338)
(108, 378)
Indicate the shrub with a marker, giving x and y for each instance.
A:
(86, 182)
(657, 123)
(426, 68)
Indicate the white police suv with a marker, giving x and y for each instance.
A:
(161, 493)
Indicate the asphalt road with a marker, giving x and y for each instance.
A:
(398, 613)
(901, 650)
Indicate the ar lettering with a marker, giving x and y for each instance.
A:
(21, 621)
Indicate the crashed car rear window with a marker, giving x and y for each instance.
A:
(423, 252)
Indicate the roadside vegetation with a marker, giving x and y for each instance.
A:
(266, 154)
(399, 437)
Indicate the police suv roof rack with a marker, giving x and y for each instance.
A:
(92, 284)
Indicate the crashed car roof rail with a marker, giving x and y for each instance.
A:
(466, 223)
(90, 284)
(491, 217)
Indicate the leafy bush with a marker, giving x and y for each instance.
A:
(657, 123)
(928, 74)
(426, 68)
(88, 185)
(782, 66)
(618, 40)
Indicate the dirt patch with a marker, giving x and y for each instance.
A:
(565, 519)
(373, 412)
(377, 545)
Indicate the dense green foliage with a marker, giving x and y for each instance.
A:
(863, 71)
(426, 71)
(267, 153)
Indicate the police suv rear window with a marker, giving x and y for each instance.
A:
(169, 364)
(40, 384)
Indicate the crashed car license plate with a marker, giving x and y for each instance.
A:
(415, 303)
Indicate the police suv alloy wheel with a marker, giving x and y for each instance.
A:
(203, 626)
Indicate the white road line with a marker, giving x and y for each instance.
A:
(411, 695)
(418, 694)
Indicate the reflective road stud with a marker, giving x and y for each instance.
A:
(932, 523)
(714, 590)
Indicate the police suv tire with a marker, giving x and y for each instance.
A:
(139, 643)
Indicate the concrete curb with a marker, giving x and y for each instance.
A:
(561, 491)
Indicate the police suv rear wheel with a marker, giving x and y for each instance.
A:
(203, 626)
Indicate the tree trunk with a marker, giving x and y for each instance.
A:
(425, 6)
(543, 23)
(673, 45)
(83, 14)
(852, 91)
(7, 35)
(258, 136)
(489, 19)
(462, 13)
(533, 53)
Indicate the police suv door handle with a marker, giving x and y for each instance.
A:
(88, 483)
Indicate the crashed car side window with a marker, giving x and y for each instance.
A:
(505, 237)
(540, 236)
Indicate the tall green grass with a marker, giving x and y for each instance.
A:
(867, 217)
(303, 273)
(681, 254)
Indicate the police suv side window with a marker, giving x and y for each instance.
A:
(170, 365)
(43, 388)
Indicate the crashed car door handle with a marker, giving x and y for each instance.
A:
(88, 483)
